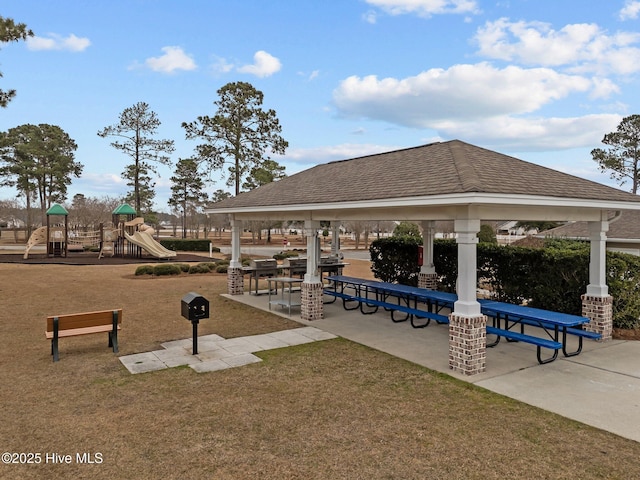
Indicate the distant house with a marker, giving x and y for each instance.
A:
(623, 234)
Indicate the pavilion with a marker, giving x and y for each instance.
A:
(450, 180)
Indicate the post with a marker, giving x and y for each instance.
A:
(235, 275)
(194, 323)
(311, 294)
(467, 324)
(597, 304)
(428, 278)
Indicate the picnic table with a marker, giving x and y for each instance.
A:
(369, 295)
(508, 316)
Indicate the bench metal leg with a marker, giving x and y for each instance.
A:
(54, 340)
(113, 334)
(564, 345)
(548, 360)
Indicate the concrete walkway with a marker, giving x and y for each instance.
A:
(216, 353)
(599, 387)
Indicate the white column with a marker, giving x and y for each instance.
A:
(467, 239)
(236, 233)
(313, 251)
(428, 234)
(597, 264)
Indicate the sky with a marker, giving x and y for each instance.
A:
(541, 80)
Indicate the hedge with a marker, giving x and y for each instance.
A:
(187, 245)
(552, 278)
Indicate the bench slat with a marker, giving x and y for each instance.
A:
(537, 341)
(521, 337)
(83, 320)
(82, 331)
(390, 306)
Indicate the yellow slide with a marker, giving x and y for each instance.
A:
(147, 243)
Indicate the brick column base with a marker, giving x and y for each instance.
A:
(428, 280)
(235, 281)
(467, 344)
(311, 307)
(600, 312)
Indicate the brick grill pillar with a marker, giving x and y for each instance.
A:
(467, 343)
(600, 313)
(235, 281)
(428, 280)
(311, 296)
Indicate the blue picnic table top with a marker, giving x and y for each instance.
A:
(530, 313)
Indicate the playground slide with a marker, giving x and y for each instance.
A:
(152, 247)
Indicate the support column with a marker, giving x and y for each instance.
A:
(311, 306)
(428, 278)
(467, 325)
(597, 304)
(235, 275)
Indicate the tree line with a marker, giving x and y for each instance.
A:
(39, 160)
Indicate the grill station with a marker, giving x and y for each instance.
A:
(332, 265)
(258, 269)
(296, 266)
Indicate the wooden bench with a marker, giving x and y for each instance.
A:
(59, 326)
(521, 337)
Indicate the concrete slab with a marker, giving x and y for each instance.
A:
(241, 360)
(599, 387)
(186, 343)
(210, 366)
(239, 346)
(601, 398)
(217, 354)
(175, 357)
(142, 362)
(266, 341)
(617, 356)
(292, 337)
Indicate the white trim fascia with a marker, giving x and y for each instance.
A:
(457, 199)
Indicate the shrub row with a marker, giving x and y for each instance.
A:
(187, 245)
(552, 278)
(219, 266)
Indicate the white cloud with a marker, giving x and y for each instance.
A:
(630, 11)
(532, 134)
(370, 17)
(424, 8)
(174, 58)
(221, 65)
(264, 65)
(481, 103)
(71, 43)
(460, 92)
(579, 47)
(324, 154)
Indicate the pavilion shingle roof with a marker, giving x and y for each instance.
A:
(452, 167)
(626, 227)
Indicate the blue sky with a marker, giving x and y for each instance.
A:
(542, 80)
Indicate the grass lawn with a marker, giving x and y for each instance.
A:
(326, 410)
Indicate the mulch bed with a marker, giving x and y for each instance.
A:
(92, 259)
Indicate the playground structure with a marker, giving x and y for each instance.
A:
(130, 238)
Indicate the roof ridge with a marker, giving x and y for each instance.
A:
(380, 153)
(466, 170)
